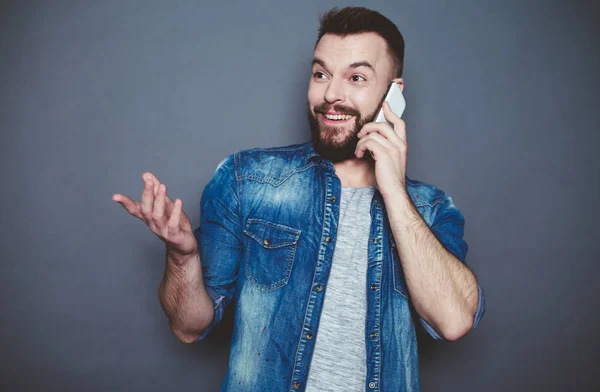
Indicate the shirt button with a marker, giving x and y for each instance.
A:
(309, 336)
(372, 385)
(375, 239)
(333, 199)
(373, 287)
(296, 385)
(327, 239)
(319, 287)
(373, 335)
(266, 242)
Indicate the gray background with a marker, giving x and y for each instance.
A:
(502, 114)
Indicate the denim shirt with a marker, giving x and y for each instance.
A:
(268, 222)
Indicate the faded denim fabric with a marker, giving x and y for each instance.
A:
(266, 239)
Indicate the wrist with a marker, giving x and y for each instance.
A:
(399, 192)
(180, 259)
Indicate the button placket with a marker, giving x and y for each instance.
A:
(329, 225)
(375, 284)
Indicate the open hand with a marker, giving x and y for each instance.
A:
(163, 216)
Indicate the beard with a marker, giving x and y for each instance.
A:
(324, 137)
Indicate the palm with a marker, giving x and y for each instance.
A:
(163, 216)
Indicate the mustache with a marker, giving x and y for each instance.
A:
(324, 108)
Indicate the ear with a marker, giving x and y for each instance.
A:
(400, 83)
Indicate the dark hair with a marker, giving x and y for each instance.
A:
(356, 20)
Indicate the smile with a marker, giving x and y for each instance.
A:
(337, 117)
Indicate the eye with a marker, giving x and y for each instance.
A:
(357, 78)
(318, 75)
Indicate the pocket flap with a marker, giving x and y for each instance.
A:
(271, 235)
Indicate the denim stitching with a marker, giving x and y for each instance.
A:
(397, 278)
(279, 180)
(289, 261)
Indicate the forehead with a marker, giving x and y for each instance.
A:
(339, 51)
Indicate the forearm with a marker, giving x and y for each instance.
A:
(183, 297)
(443, 290)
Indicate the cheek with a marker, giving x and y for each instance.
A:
(314, 94)
(366, 103)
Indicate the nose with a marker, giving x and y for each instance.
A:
(334, 92)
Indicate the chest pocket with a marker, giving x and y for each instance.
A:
(270, 253)
(398, 274)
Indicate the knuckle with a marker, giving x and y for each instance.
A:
(147, 212)
(147, 217)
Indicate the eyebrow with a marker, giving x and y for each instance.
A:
(357, 64)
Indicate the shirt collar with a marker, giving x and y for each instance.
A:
(309, 153)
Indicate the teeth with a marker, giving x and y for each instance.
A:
(337, 116)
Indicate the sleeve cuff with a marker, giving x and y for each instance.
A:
(480, 308)
(430, 329)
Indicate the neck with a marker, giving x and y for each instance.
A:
(356, 172)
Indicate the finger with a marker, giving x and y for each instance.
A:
(159, 206)
(169, 204)
(376, 126)
(381, 128)
(156, 184)
(175, 217)
(397, 122)
(380, 139)
(389, 114)
(147, 200)
(132, 207)
(373, 145)
(385, 143)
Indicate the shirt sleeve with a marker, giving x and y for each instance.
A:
(219, 237)
(448, 227)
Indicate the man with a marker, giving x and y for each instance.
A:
(325, 245)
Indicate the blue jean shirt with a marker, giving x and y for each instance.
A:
(268, 222)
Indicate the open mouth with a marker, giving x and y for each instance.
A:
(335, 118)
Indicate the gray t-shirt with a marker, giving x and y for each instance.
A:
(339, 358)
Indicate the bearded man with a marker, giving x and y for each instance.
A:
(326, 246)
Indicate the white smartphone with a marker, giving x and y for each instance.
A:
(396, 100)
